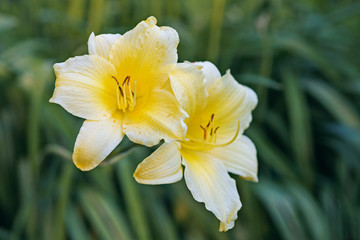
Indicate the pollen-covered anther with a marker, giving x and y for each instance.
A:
(126, 98)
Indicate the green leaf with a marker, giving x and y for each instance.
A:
(259, 80)
(271, 155)
(75, 223)
(133, 199)
(282, 210)
(297, 110)
(340, 108)
(104, 215)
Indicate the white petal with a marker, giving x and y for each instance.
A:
(161, 167)
(210, 183)
(187, 82)
(211, 73)
(101, 44)
(159, 118)
(95, 142)
(239, 158)
(85, 88)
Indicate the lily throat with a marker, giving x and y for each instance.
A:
(125, 95)
(208, 141)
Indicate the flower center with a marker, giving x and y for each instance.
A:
(210, 130)
(209, 137)
(126, 98)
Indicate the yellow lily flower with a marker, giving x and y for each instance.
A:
(219, 111)
(120, 89)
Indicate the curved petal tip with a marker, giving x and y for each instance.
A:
(151, 21)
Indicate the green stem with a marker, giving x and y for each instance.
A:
(215, 30)
(265, 71)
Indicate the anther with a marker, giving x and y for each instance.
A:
(127, 98)
(204, 131)
(121, 91)
(197, 145)
(127, 79)
(115, 80)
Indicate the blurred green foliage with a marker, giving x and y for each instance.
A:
(301, 57)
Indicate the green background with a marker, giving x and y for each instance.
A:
(301, 57)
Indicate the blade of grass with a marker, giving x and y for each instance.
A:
(217, 16)
(76, 11)
(163, 226)
(281, 210)
(299, 125)
(334, 102)
(299, 47)
(27, 203)
(270, 154)
(313, 217)
(259, 80)
(95, 15)
(132, 199)
(75, 224)
(105, 217)
(62, 200)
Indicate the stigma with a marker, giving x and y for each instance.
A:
(125, 96)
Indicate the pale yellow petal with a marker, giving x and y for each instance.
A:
(147, 54)
(239, 158)
(187, 82)
(101, 44)
(96, 140)
(211, 73)
(210, 183)
(230, 102)
(84, 87)
(162, 167)
(159, 118)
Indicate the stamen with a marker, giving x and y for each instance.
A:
(130, 92)
(212, 125)
(133, 105)
(196, 145)
(204, 131)
(118, 98)
(117, 93)
(115, 80)
(126, 79)
(214, 140)
(127, 98)
(121, 91)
